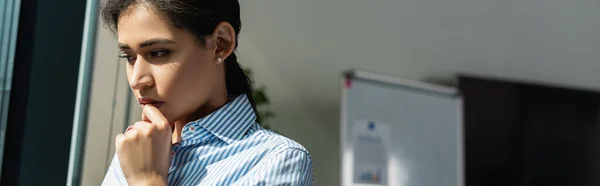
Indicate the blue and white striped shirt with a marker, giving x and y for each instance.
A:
(228, 147)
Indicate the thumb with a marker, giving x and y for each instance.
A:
(144, 117)
(152, 114)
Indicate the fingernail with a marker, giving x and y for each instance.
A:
(129, 128)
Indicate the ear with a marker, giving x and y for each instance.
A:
(225, 38)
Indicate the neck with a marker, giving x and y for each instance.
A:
(204, 110)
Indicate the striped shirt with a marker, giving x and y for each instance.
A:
(228, 147)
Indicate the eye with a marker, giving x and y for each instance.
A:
(130, 59)
(158, 54)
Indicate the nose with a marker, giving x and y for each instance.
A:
(140, 75)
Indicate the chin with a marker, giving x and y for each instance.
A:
(172, 118)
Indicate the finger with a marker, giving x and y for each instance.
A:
(146, 128)
(119, 141)
(132, 134)
(131, 127)
(155, 117)
(142, 125)
(119, 138)
(144, 117)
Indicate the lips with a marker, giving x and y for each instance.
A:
(150, 101)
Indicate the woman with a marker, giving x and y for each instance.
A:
(198, 123)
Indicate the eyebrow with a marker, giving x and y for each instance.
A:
(149, 42)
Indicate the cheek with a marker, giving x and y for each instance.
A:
(198, 77)
(186, 85)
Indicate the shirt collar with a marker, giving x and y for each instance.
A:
(229, 123)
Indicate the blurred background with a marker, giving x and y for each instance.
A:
(528, 88)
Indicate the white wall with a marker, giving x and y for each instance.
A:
(299, 49)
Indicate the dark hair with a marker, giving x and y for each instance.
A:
(200, 17)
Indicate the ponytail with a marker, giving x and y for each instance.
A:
(237, 82)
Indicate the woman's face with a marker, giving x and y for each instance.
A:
(166, 67)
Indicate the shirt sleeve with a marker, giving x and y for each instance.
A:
(290, 167)
(114, 175)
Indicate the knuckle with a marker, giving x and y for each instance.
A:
(146, 133)
(139, 124)
(133, 135)
(162, 126)
(152, 128)
(119, 141)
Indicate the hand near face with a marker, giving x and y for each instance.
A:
(144, 150)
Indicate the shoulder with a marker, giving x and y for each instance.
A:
(276, 143)
(283, 161)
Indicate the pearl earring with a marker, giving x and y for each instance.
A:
(220, 60)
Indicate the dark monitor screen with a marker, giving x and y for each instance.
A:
(522, 134)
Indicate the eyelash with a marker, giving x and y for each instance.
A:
(156, 54)
(127, 58)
